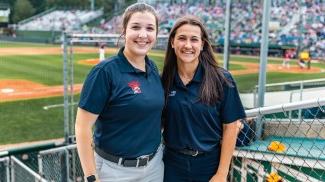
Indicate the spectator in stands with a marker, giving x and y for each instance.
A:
(124, 98)
(296, 20)
(246, 22)
(203, 109)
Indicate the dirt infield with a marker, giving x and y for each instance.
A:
(11, 90)
(89, 61)
(254, 68)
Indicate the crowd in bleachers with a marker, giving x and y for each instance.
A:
(58, 20)
(298, 24)
(294, 23)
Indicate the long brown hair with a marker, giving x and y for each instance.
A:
(211, 89)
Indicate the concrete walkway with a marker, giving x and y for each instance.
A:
(276, 98)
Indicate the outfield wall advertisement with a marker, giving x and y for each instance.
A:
(4, 17)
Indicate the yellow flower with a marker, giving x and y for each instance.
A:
(273, 177)
(276, 146)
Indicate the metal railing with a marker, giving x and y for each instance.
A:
(286, 107)
(21, 173)
(302, 144)
(301, 84)
(4, 169)
(60, 164)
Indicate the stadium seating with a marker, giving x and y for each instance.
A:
(292, 23)
(296, 24)
(60, 20)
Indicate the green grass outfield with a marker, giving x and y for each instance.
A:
(26, 120)
(4, 44)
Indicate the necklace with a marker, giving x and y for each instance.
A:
(185, 79)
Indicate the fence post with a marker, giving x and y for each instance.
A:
(65, 83)
(12, 176)
(40, 165)
(8, 168)
(255, 96)
(301, 90)
(71, 95)
(227, 36)
(67, 159)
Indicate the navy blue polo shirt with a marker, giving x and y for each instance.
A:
(191, 124)
(129, 103)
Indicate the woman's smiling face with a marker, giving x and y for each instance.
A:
(140, 33)
(187, 43)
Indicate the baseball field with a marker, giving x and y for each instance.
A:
(31, 79)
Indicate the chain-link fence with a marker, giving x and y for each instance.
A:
(60, 164)
(21, 173)
(4, 169)
(289, 149)
(29, 159)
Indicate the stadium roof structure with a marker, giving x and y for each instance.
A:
(4, 6)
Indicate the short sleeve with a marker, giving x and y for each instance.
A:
(95, 91)
(231, 107)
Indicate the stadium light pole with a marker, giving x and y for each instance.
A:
(264, 52)
(263, 61)
(227, 36)
(301, 26)
(92, 5)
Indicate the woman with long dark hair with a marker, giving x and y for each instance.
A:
(202, 107)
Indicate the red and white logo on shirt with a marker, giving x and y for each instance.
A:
(135, 86)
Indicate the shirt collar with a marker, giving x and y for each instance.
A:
(125, 65)
(198, 75)
(199, 72)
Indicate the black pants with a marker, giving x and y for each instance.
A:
(186, 168)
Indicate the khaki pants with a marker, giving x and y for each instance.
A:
(111, 172)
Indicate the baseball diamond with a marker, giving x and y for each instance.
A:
(274, 50)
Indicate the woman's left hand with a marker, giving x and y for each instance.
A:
(218, 178)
